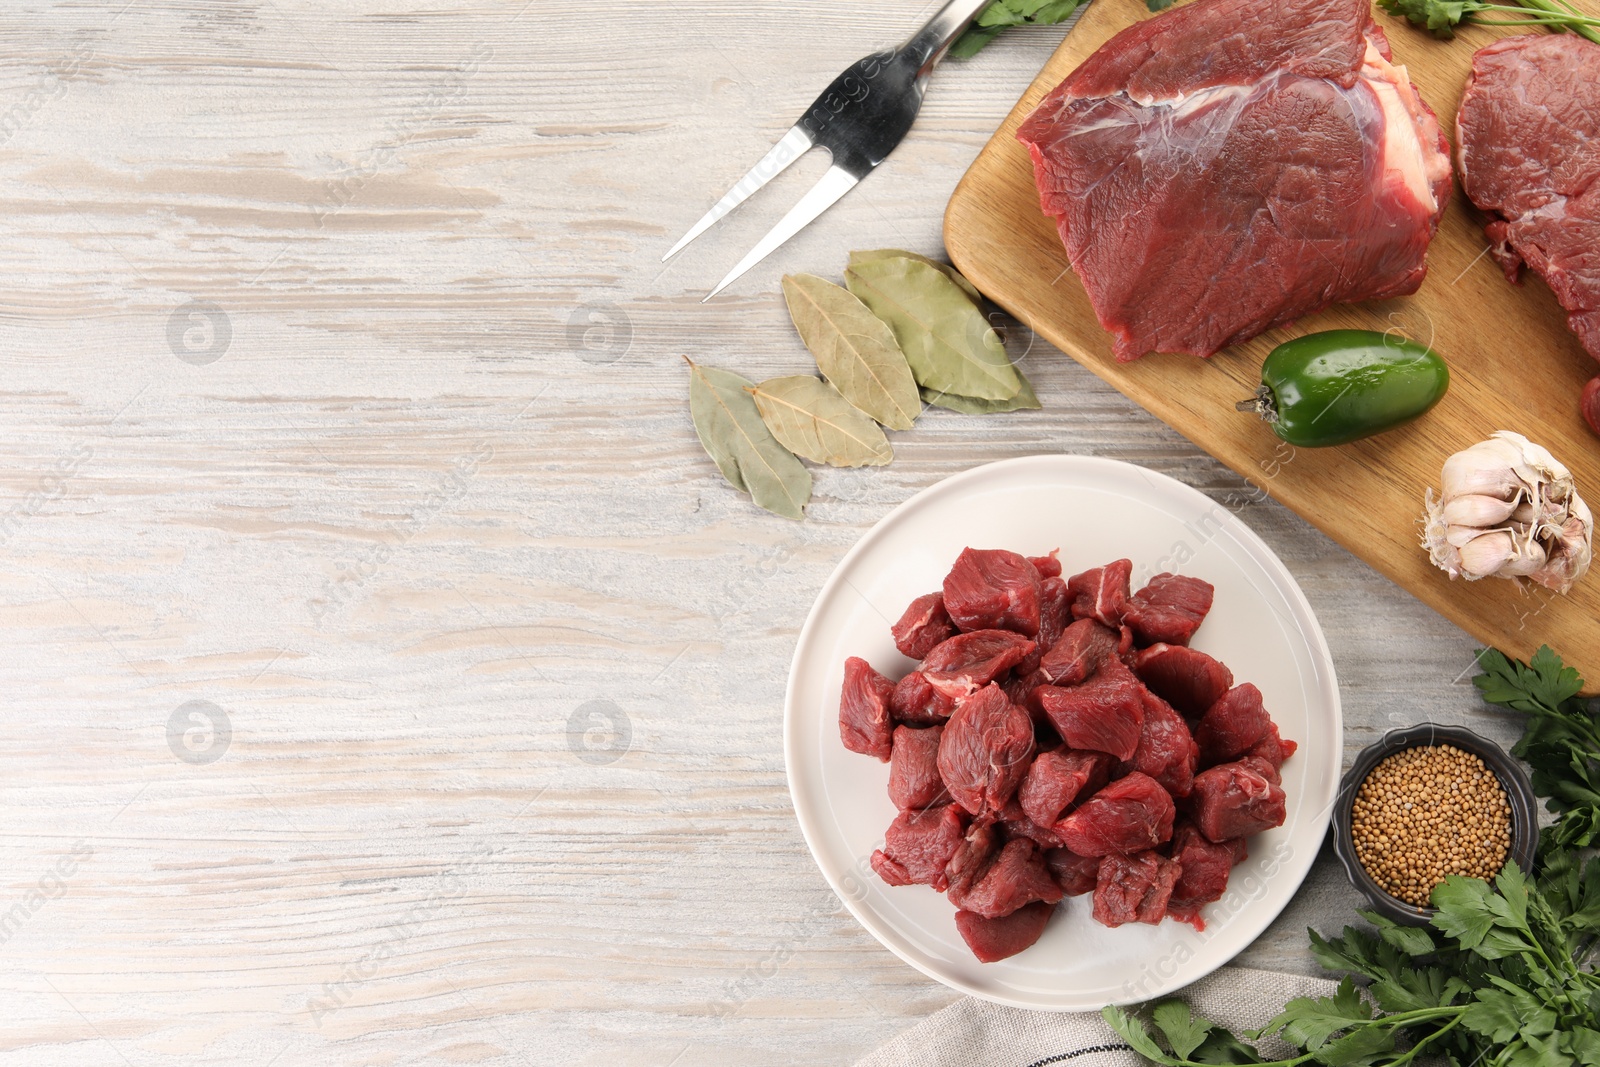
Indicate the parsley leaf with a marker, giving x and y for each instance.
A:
(1001, 14)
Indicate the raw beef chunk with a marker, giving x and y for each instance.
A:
(1047, 566)
(1016, 876)
(1104, 714)
(1075, 874)
(919, 845)
(914, 768)
(985, 751)
(1055, 614)
(1100, 593)
(864, 725)
(992, 940)
(1078, 653)
(1272, 748)
(1018, 687)
(1134, 888)
(923, 627)
(1227, 167)
(1014, 820)
(971, 857)
(1205, 868)
(1235, 800)
(1231, 725)
(968, 662)
(1264, 768)
(1190, 681)
(1170, 609)
(1058, 778)
(1166, 751)
(992, 589)
(1129, 815)
(917, 702)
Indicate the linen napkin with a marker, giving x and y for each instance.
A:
(977, 1033)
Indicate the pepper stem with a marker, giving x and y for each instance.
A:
(1263, 404)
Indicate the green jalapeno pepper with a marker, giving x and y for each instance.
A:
(1343, 385)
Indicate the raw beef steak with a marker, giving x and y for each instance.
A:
(1228, 166)
(1529, 130)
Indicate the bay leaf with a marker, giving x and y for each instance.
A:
(943, 268)
(1025, 399)
(812, 419)
(950, 345)
(854, 349)
(733, 435)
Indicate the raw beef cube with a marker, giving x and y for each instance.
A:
(1101, 593)
(992, 589)
(1104, 714)
(1018, 686)
(1078, 653)
(1231, 725)
(1055, 613)
(968, 662)
(971, 857)
(1190, 681)
(917, 702)
(1170, 609)
(1058, 778)
(992, 940)
(914, 780)
(1272, 748)
(1016, 876)
(1129, 815)
(919, 845)
(1134, 888)
(1205, 868)
(1075, 874)
(985, 751)
(864, 725)
(1016, 823)
(1235, 800)
(1265, 768)
(923, 627)
(1166, 751)
(1047, 566)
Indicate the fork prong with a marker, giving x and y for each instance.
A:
(791, 147)
(822, 196)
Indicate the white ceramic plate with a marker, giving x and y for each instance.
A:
(1094, 510)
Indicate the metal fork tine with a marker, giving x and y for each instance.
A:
(793, 145)
(822, 196)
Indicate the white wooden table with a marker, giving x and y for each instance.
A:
(343, 406)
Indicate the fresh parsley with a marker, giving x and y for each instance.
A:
(1443, 16)
(1002, 14)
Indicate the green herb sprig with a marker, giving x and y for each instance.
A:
(1443, 16)
(1003, 14)
(1504, 978)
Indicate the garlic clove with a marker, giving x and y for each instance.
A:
(1479, 509)
(1488, 553)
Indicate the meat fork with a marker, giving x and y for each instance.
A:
(859, 119)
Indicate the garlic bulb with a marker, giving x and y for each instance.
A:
(1508, 509)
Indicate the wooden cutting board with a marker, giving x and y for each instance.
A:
(1514, 364)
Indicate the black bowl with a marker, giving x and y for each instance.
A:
(1513, 779)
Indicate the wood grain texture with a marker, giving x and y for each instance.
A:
(434, 496)
(1514, 364)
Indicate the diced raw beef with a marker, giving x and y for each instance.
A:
(1227, 167)
(992, 589)
(1075, 874)
(1229, 727)
(1055, 613)
(969, 661)
(1129, 815)
(918, 703)
(864, 725)
(1166, 751)
(971, 857)
(1018, 687)
(985, 751)
(1016, 823)
(914, 780)
(1266, 768)
(992, 940)
(1529, 132)
(1235, 800)
(1104, 714)
(1016, 876)
(1272, 748)
(1056, 779)
(1083, 646)
(1169, 608)
(1189, 680)
(923, 627)
(1134, 888)
(919, 845)
(1047, 566)
(1205, 867)
(1100, 593)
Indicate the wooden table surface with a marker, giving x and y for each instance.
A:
(392, 679)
